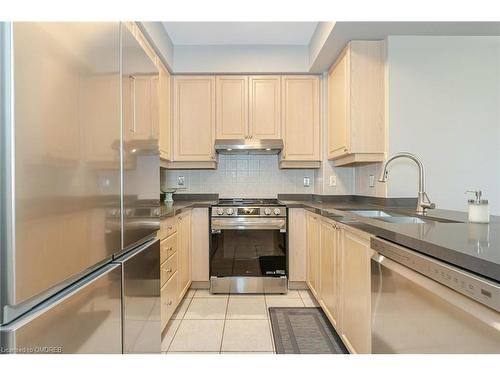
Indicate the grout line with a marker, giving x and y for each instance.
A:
(224, 326)
(182, 319)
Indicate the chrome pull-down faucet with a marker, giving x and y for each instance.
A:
(423, 202)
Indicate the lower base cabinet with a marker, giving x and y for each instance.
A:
(313, 253)
(169, 300)
(330, 270)
(175, 258)
(356, 291)
(338, 274)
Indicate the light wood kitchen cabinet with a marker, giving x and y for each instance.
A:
(356, 290)
(232, 107)
(200, 240)
(164, 112)
(194, 122)
(313, 253)
(297, 245)
(330, 269)
(356, 104)
(248, 107)
(300, 122)
(265, 107)
(183, 253)
(169, 299)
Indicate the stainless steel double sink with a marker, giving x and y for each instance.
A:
(397, 218)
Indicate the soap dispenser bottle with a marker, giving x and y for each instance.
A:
(479, 210)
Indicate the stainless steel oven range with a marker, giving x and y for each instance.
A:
(248, 246)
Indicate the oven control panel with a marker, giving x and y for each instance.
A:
(271, 211)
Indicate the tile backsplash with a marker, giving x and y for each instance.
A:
(242, 176)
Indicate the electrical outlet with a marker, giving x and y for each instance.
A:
(371, 180)
(307, 182)
(180, 181)
(333, 180)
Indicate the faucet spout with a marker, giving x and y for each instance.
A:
(423, 202)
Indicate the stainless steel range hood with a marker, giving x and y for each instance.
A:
(249, 146)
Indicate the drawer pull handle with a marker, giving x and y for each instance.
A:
(170, 227)
(169, 303)
(169, 270)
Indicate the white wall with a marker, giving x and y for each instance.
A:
(247, 176)
(241, 59)
(444, 106)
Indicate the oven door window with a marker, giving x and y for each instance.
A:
(248, 253)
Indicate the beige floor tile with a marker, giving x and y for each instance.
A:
(207, 308)
(247, 308)
(306, 294)
(193, 353)
(181, 309)
(290, 294)
(254, 353)
(205, 293)
(198, 336)
(247, 336)
(284, 302)
(169, 333)
(249, 295)
(310, 302)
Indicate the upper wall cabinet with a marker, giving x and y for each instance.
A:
(232, 107)
(194, 122)
(301, 122)
(356, 104)
(248, 107)
(164, 112)
(265, 107)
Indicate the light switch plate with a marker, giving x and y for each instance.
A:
(180, 181)
(307, 182)
(333, 180)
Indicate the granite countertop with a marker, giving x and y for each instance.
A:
(178, 206)
(473, 247)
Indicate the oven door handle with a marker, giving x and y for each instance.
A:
(219, 224)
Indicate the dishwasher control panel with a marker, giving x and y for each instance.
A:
(475, 287)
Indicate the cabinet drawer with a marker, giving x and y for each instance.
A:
(168, 246)
(168, 300)
(167, 227)
(168, 269)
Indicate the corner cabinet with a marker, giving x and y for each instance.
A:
(193, 122)
(356, 128)
(300, 122)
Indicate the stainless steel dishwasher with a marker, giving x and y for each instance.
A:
(422, 305)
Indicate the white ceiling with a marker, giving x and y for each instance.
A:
(238, 33)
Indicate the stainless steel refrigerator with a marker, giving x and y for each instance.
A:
(79, 187)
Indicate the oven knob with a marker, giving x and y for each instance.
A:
(220, 211)
(229, 211)
(277, 211)
(267, 211)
